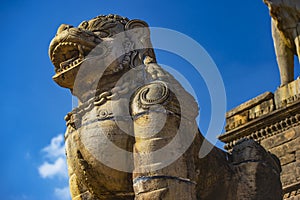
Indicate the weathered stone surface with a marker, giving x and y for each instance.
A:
(285, 30)
(248, 159)
(250, 104)
(281, 138)
(290, 174)
(286, 148)
(297, 155)
(287, 94)
(134, 134)
(279, 133)
(265, 126)
(250, 110)
(288, 158)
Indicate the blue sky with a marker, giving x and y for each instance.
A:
(235, 33)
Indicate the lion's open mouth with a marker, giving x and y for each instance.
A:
(67, 55)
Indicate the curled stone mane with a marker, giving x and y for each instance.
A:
(104, 23)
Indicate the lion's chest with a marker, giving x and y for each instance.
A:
(100, 150)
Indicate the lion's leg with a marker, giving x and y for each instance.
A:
(78, 190)
(90, 179)
(162, 169)
(285, 56)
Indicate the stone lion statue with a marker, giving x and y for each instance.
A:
(134, 133)
(286, 35)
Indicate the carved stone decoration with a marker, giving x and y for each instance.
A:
(154, 93)
(252, 109)
(287, 95)
(134, 133)
(286, 35)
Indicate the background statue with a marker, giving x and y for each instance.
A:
(286, 32)
(134, 118)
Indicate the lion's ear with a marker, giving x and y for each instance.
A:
(135, 23)
(139, 33)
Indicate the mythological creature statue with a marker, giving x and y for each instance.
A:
(286, 35)
(134, 134)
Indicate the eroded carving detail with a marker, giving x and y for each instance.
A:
(123, 101)
(154, 93)
(267, 131)
(250, 110)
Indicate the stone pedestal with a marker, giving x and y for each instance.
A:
(274, 122)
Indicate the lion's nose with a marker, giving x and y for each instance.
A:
(63, 27)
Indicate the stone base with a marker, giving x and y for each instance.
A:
(274, 122)
(287, 95)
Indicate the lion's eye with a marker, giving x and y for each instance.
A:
(84, 25)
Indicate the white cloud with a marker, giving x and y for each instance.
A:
(58, 168)
(55, 165)
(56, 148)
(62, 193)
(55, 162)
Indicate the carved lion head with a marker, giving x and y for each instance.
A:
(97, 44)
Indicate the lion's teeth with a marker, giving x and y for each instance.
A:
(52, 57)
(60, 53)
